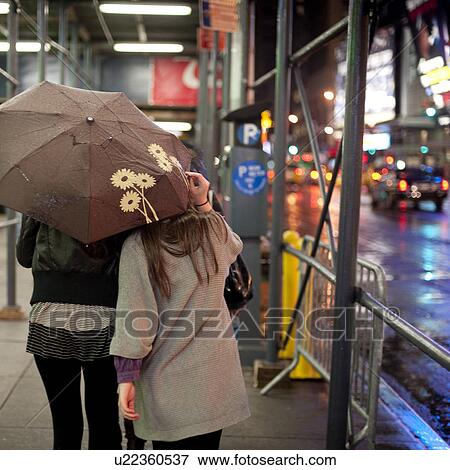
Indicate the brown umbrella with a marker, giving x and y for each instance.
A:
(89, 163)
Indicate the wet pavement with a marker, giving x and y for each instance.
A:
(413, 246)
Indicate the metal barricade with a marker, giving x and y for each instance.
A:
(315, 335)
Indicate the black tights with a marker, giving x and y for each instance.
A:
(61, 379)
(210, 441)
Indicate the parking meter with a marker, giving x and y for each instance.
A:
(248, 213)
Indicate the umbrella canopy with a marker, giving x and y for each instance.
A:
(89, 163)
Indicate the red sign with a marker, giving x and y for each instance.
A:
(205, 39)
(176, 82)
(220, 15)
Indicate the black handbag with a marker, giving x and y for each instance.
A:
(238, 285)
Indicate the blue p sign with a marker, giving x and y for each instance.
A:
(248, 134)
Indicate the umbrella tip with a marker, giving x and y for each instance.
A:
(90, 119)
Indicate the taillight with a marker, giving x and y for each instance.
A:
(402, 185)
(444, 185)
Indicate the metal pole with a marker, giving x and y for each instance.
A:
(62, 40)
(282, 91)
(42, 18)
(212, 115)
(226, 80)
(74, 51)
(357, 50)
(316, 154)
(243, 17)
(87, 61)
(11, 88)
(202, 100)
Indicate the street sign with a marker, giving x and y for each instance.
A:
(248, 134)
(250, 177)
(219, 15)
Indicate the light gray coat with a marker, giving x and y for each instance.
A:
(191, 380)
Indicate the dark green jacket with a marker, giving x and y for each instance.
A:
(66, 270)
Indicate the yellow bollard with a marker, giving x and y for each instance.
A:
(291, 284)
(291, 280)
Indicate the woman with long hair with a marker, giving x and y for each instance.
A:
(177, 361)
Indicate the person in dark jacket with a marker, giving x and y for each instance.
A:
(70, 330)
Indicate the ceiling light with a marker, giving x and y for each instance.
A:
(145, 9)
(24, 46)
(4, 8)
(147, 47)
(174, 126)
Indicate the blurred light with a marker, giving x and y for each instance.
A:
(314, 175)
(384, 171)
(227, 148)
(296, 158)
(389, 159)
(372, 151)
(174, 126)
(444, 120)
(266, 119)
(271, 174)
(24, 46)
(216, 161)
(424, 149)
(291, 199)
(401, 165)
(444, 185)
(270, 164)
(328, 95)
(320, 202)
(379, 141)
(376, 176)
(267, 147)
(293, 118)
(293, 149)
(402, 185)
(147, 47)
(4, 8)
(329, 176)
(337, 135)
(307, 157)
(328, 130)
(145, 9)
(299, 171)
(430, 112)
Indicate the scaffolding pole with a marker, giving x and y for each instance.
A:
(357, 51)
(42, 23)
(282, 93)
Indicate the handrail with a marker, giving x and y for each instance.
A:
(427, 345)
(9, 77)
(9, 222)
(308, 49)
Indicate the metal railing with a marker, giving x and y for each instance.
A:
(371, 315)
(317, 314)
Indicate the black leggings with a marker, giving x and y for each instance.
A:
(210, 441)
(61, 379)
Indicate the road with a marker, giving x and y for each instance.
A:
(414, 249)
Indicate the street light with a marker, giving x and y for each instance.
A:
(293, 118)
(328, 130)
(328, 95)
(293, 149)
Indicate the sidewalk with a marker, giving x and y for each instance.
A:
(287, 418)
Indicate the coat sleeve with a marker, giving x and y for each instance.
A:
(26, 242)
(136, 322)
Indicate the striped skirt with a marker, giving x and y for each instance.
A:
(70, 331)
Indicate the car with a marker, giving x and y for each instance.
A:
(414, 183)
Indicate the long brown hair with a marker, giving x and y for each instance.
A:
(181, 236)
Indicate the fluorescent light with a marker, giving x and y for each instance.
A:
(4, 8)
(145, 9)
(174, 126)
(147, 47)
(24, 46)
